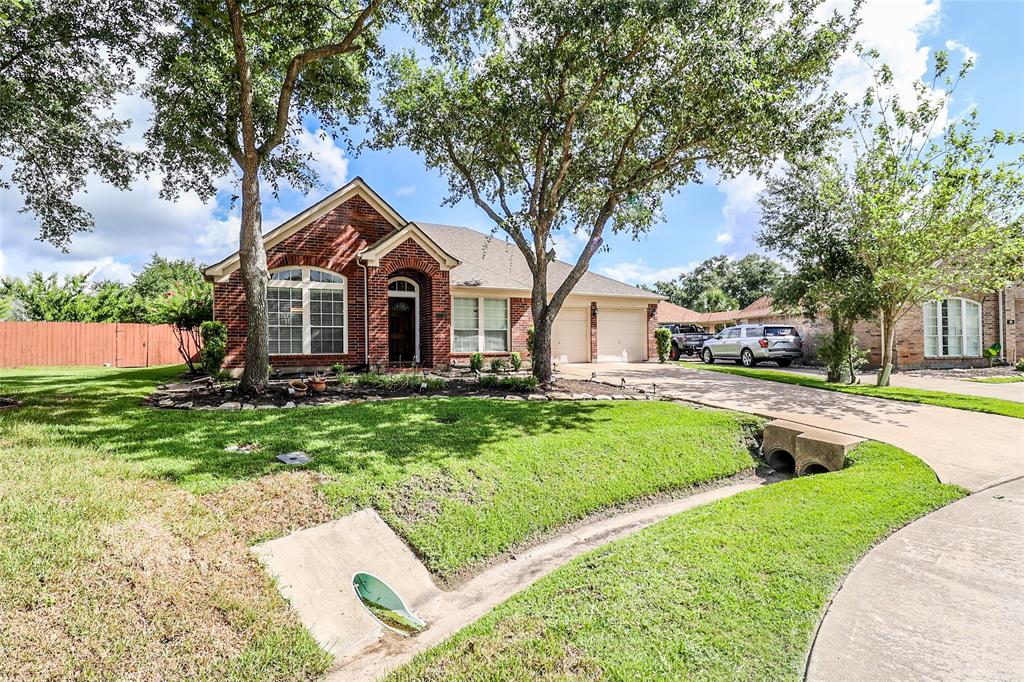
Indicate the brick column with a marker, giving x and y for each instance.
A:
(652, 324)
(593, 331)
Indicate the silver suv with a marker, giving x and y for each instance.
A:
(749, 344)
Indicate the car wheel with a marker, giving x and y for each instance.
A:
(674, 355)
(707, 357)
(785, 362)
(747, 358)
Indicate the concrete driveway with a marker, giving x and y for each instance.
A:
(971, 449)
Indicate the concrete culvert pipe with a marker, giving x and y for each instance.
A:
(814, 468)
(781, 461)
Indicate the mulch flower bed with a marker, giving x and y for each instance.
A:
(209, 395)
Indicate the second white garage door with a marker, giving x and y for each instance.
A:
(621, 335)
(570, 336)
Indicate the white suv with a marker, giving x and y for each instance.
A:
(749, 344)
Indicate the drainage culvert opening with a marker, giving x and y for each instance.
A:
(781, 461)
(815, 468)
(384, 604)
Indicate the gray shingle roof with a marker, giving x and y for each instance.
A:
(491, 262)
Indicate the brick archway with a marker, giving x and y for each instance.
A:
(411, 261)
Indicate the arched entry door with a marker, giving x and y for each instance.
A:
(403, 320)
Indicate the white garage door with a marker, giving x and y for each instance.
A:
(570, 336)
(621, 335)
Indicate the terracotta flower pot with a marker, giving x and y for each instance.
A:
(317, 386)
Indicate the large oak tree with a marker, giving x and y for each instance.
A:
(588, 113)
(234, 81)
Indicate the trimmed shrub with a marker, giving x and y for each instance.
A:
(663, 341)
(508, 383)
(1020, 365)
(215, 346)
(517, 360)
(476, 361)
(499, 365)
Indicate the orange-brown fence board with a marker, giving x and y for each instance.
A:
(88, 343)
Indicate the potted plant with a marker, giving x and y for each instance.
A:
(297, 387)
(318, 384)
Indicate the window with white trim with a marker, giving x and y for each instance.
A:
(480, 324)
(306, 312)
(952, 328)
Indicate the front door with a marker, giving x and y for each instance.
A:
(401, 329)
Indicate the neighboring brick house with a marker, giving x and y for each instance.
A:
(353, 282)
(952, 332)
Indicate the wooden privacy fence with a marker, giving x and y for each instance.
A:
(89, 343)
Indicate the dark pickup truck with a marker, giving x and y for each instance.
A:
(687, 339)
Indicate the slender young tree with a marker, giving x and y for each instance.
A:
(588, 113)
(807, 219)
(232, 83)
(938, 211)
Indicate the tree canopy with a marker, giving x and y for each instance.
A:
(233, 84)
(587, 114)
(723, 283)
(62, 65)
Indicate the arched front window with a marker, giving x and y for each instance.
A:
(306, 312)
(952, 328)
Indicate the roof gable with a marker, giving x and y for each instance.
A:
(356, 187)
(372, 255)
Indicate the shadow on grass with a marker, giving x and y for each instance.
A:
(100, 408)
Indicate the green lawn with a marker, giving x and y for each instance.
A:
(974, 403)
(117, 554)
(997, 380)
(730, 590)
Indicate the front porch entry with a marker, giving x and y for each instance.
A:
(403, 321)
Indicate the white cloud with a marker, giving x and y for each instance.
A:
(407, 190)
(3, 263)
(638, 272)
(957, 46)
(740, 213)
(723, 238)
(568, 244)
(328, 159)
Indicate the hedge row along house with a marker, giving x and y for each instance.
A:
(952, 332)
(353, 282)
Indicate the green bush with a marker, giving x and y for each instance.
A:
(842, 356)
(476, 361)
(499, 365)
(517, 360)
(508, 383)
(215, 345)
(395, 382)
(1020, 365)
(663, 341)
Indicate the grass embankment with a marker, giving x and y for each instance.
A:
(959, 401)
(124, 529)
(730, 590)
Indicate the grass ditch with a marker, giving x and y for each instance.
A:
(730, 590)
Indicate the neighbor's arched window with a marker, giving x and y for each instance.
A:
(952, 328)
(306, 311)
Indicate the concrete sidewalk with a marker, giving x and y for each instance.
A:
(942, 598)
(970, 449)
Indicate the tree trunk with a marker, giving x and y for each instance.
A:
(253, 269)
(833, 369)
(543, 317)
(888, 343)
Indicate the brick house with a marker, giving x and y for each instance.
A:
(952, 332)
(353, 282)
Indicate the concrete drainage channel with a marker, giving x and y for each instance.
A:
(367, 599)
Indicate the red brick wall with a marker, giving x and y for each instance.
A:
(331, 242)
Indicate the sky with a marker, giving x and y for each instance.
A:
(700, 221)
